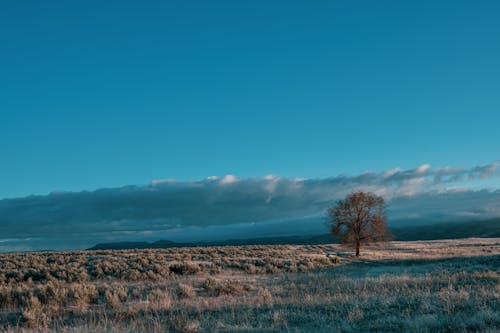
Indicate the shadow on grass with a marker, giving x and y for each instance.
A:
(363, 267)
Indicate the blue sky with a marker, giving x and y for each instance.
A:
(96, 94)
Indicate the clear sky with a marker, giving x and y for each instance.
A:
(101, 93)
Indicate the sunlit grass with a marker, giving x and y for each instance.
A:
(402, 286)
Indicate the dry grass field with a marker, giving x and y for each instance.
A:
(423, 286)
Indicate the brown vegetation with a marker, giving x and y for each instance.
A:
(413, 286)
(359, 219)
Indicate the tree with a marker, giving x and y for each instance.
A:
(359, 219)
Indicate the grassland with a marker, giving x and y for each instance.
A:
(424, 286)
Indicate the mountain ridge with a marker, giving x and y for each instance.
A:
(452, 230)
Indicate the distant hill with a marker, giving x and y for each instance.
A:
(485, 228)
(299, 240)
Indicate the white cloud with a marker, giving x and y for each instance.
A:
(423, 168)
(228, 179)
(270, 187)
(156, 182)
(391, 172)
(423, 192)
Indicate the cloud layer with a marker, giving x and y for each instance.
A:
(220, 206)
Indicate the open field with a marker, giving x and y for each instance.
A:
(423, 286)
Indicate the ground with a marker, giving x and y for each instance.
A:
(423, 286)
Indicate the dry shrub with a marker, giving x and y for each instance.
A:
(355, 314)
(250, 269)
(114, 295)
(264, 296)
(132, 275)
(83, 294)
(226, 287)
(453, 295)
(155, 265)
(452, 299)
(112, 299)
(34, 314)
(160, 299)
(186, 325)
(210, 284)
(185, 269)
(185, 291)
(192, 326)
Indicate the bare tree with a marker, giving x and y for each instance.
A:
(358, 219)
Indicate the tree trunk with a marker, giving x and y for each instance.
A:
(358, 245)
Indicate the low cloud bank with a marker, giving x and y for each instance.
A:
(227, 207)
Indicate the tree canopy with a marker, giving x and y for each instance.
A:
(358, 219)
